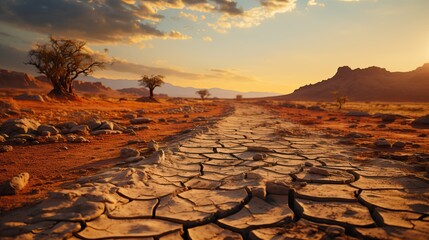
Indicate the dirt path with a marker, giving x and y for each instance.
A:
(241, 179)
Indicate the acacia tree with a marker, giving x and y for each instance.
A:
(341, 100)
(62, 61)
(204, 93)
(151, 82)
(239, 97)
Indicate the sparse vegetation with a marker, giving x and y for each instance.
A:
(239, 97)
(151, 82)
(341, 100)
(62, 61)
(204, 93)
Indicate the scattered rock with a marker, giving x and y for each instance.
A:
(382, 143)
(118, 127)
(81, 139)
(319, 171)
(105, 132)
(162, 120)
(8, 105)
(81, 129)
(93, 124)
(29, 97)
(358, 114)
(308, 164)
(130, 116)
(2, 139)
(26, 136)
(19, 126)
(199, 119)
(157, 157)
(422, 135)
(128, 130)
(106, 125)
(54, 138)
(398, 145)
(129, 152)
(10, 112)
(48, 128)
(67, 125)
(421, 122)
(153, 145)
(388, 118)
(28, 110)
(357, 135)
(141, 111)
(347, 141)
(135, 141)
(6, 148)
(71, 137)
(16, 184)
(45, 134)
(259, 156)
(133, 159)
(315, 108)
(17, 141)
(140, 120)
(335, 231)
(139, 127)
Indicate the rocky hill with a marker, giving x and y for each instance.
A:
(12, 79)
(96, 87)
(143, 92)
(176, 91)
(369, 84)
(19, 80)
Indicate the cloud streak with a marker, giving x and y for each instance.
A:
(133, 21)
(14, 58)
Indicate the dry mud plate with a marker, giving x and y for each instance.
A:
(240, 179)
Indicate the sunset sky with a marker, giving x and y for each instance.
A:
(245, 45)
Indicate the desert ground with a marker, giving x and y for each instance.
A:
(220, 169)
(52, 163)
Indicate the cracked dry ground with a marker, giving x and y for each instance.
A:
(240, 179)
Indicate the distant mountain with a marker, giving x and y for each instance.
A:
(12, 79)
(19, 80)
(369, 84)
(89, 87)
(176, 91)
(136, 91)
(88, 84)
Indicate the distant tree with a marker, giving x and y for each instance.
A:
(340, 99)
(62, 61)
(204, 93)
(151, 82)
(239, 97)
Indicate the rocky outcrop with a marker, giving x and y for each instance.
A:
(12, 79)
(421, 122)
(368, 84)
(136, 91)
(19, 126)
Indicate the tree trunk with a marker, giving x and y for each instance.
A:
(151, 92)
(62, 90)
(62, 93)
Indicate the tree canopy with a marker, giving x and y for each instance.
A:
(62, 61)
(204, 93)
(151, 82)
